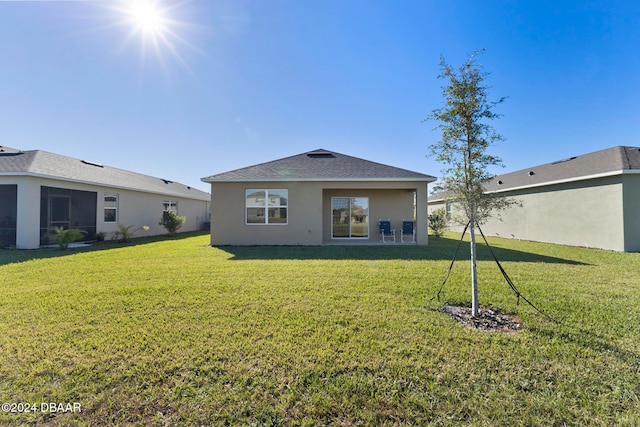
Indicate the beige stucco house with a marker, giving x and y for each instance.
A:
(41, 190)
(591, 200)
(315, 198)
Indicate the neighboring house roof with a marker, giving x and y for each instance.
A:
(55, 166)
(319, 165)
(611, 161)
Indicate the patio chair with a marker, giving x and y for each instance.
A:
(408, 231)
(386, 232)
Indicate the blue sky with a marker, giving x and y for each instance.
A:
(240, 82)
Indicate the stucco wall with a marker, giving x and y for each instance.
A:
(309, 211)
(139, 209)
(228, 216)
(631, 197)
(394, 205)
(134, 208)
(584, 213)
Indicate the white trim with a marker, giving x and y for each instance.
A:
(559, 181)
(567, 180)
(105, 185)
(105, 207)
(320, 180)
(266, 207)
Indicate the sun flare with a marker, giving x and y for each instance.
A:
(147, 16)
(158, 27)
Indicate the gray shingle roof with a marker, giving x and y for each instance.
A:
(319, 165)
(608, 161)
(45, 164)
(604, 162)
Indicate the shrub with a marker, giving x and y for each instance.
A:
(64, 237)
(438, 221)
(125, 233)
(172, 222)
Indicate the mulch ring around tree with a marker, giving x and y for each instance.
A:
(487, 319)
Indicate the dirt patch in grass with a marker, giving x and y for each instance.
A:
(487, 319)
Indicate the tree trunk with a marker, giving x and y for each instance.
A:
(474, 277)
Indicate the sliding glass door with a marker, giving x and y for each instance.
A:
(350, 217)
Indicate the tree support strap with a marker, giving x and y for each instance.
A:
(455, 255)
(504, 273)
(508, 279)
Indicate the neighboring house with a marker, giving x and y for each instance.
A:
(592, 200)
(315, 198)
(41, 190)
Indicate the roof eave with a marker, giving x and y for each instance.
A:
(548, 183)
(99, 184)
(219, 180)
(569, 180)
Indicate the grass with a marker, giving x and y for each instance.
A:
(172, 332)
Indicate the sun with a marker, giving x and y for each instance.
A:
(147, 16)
(157, 26)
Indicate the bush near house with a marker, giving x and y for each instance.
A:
(438, 222)
(172, 332)
(64, 238)
(126, 232)
(172, 222)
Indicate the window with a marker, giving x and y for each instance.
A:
(350, 217)
(170, 205)
(266, 206)
(110, 207)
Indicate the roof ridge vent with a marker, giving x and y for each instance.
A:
(564, 160)
(92, 164)
(320, 154)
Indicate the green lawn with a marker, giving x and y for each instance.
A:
(172, 332)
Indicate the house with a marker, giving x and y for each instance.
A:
(41, 190)
(315, 198)
(591, 200)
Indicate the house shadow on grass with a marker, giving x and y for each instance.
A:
(10, 256)
(437, 250)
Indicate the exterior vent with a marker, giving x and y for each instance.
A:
(321, 154)
(98, 165)
(564, 160)
(531, 173)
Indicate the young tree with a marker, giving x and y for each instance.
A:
(466, 136)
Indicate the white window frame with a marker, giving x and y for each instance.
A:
(170, 205)
(113, 207)
(266, 205)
